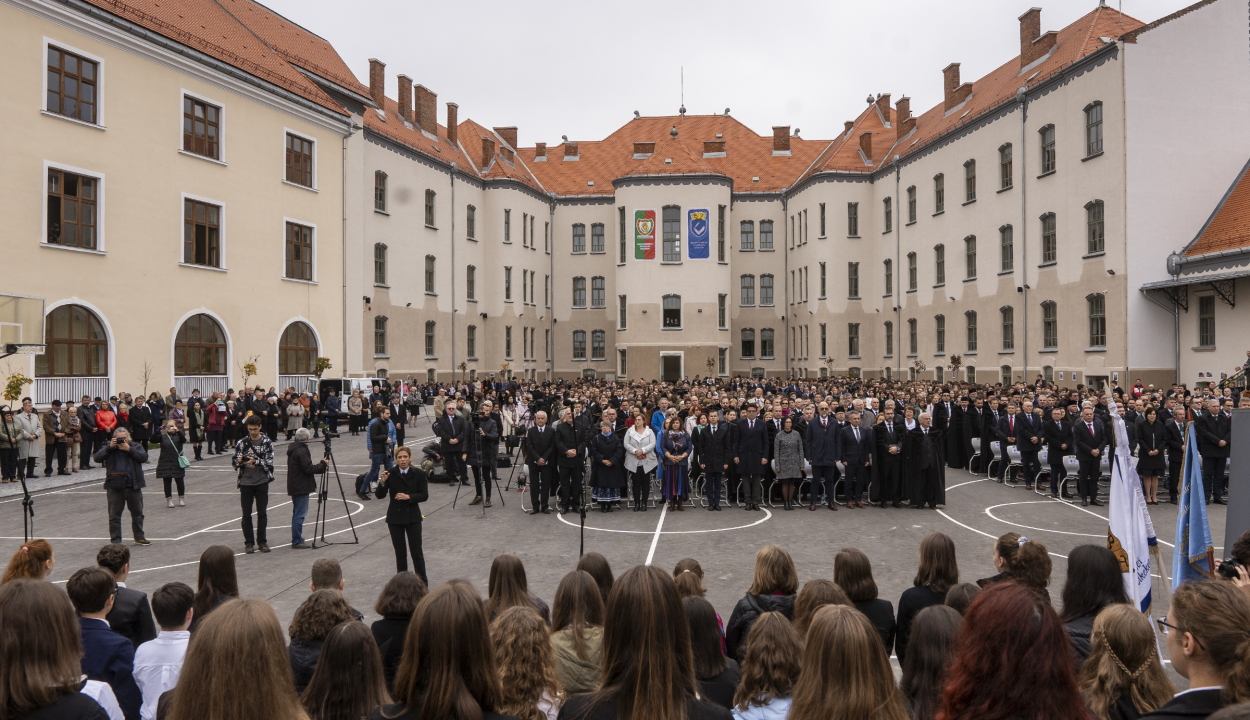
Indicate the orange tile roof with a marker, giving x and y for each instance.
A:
(1229, 226)
(471, 134)
(205, 26)
(295, 44)
(411, 137)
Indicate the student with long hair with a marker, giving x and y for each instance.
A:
(577, 632)
(938, 572)
(217, 582)
(34, 560)
(852, 571)
(773, 589)
(1023, 560)
(1208, 645)
(313, 621)
(1010, 632)
(39, 639)
(1123, 676)
(527, 665)
(815, 595)
(648, 667)
(769, 670)
(599, 569)
(508, 587)
(396, 603)
(448, 671)
(718, 675)
(1093, 583)
(960, 596)
(348, 683)
(238, 646)
(846, 674)
(688, 576)
(932, 645)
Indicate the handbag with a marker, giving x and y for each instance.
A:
(183, 462)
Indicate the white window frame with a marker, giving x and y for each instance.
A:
(221, 126)
(100, 248)
(282, 253)
(99, 85)
(221, 231)
(316, 164)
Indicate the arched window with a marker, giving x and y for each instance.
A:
(748, 343)
(379, 191)
(939, 333)
(939, 373)
(200, 347)
(1097, 320)
(1050, 325)
(579, 344)
(379, 263)
(598, 345)
(75, 344)
(971, 315)
(766, 289)
(1048, 373)
(1006, 372)
(379, 335)
(429, 339)
(748, 290)
(972, 373)
(746, 235)
(1009, 327)
(1093, 128)
(766, 343)
(297, 350)
(470, 336)
(1094, 237)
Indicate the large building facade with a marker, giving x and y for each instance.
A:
(1005, 233)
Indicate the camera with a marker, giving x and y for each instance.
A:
(1228, 568)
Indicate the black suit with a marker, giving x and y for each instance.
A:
(1057, 435)
(889, 465)
(1211, 430)
(399, 416)
(403, 517)
(1174, 435)
(857, 456)
(571, 469)
(1086, 443)
(131, 616)
(448, 428)
(1029, 442)
(751, 449)
(715, 448)
(540, 444)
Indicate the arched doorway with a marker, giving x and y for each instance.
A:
(75, 361)
(297, 356)
(200, 356)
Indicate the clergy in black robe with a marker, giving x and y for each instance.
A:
(954, 434)
(890, 437)
(923, 470)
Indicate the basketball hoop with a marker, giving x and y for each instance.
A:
(23, 349)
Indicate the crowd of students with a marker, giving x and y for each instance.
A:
(646, 645)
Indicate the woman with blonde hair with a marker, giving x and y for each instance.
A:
(846, 674)
(527, 665)
(772, 590)
(815, 595)
(769, 670)
(33, 560)
(238, 646)
(1123, 676)
(577, 632)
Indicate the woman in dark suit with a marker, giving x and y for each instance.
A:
(609, 458)
(408, 487)
(1151, 442)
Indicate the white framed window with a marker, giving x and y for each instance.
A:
(73, 214)
(203, 233)
(301, 160)
(202, 127)
(73, 83)
(299, 259)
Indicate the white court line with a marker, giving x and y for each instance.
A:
(988, 511)
(952, 487)
(656, 540)
(767, 515)
(981, 532)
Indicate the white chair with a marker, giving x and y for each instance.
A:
(996, 456)
(1013, 454)
(976, 452)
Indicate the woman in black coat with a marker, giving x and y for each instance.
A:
(408, 486)
(1151, 442)
(167, 466)
(608, 452)
(141, 425)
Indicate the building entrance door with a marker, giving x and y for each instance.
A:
(670, 368)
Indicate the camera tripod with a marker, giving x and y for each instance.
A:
(323, 492)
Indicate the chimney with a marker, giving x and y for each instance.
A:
(955, 92)
(405, 97)
(453, 124)
(377, 83)
(713, 146)
(540, 150)
(781, 139)
(903, 122)
(488, 152)
(865, 144)
(846, 126)
(1033, 44)
(427, 104)
(509, 135)
(570, 149)
(883, 104)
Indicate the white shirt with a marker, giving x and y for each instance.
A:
(103, 694)
(157, 666)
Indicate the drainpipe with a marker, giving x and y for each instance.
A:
(1023, 98)
(453, 273)
(548, 246)
(785, 230)
(898, 244)
(352, 127)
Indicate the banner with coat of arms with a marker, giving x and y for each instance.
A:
(697, 246)
(644, 234)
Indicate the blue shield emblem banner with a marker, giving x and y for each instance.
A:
(697, 247)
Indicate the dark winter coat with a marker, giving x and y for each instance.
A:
(744, 615)
(167, 464)
(300, 470)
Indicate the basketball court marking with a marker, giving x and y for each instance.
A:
(989, 511)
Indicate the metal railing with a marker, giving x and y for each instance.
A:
(69, 389)
(206, 384)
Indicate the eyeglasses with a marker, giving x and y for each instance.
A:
(1163, 624)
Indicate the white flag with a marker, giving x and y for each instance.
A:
(1131, 533)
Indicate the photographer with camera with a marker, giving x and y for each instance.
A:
(483, 448)
(253, 458)
(301, 482)
(123, 483)
(380, 439)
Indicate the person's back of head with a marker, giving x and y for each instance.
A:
(40, 642)
(1210, 619)
(852, 571)
(507, 585)
(115, 558)
(1031, 564)
(688, 575)
(91, 590)
(1123, 659)
(217, 578)
(705, 637)
(327, 574)
(929, 650)
(846, 674)
(448, 668)
(400, 595)
(815, 595)
(939, 569)
(771, 665)
(1241, 548)
(960, 596)
(526, 662)
(348, 682)
(238, 646)
(32, 560)
(646, 636)
(1093, 582)
(171, 606)
(599, 569)
(1009, 631)
(774, 572)
(578, 606)
(318, 614)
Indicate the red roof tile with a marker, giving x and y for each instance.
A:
(1229, 227)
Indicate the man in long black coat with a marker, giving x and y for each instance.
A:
(925, 473)
(955, 434)
(715, 450)
(570, 460)
(1214, 429)
(974, 427)
(889, 436)
(751, 454)
(540, 455)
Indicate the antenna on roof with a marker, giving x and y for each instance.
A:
(682, 111)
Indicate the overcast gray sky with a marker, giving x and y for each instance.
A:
(553, 67)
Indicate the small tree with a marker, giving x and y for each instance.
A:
(15, 383)
(247, 368)
(463, 367)
(955, 363)
(145, 375)
(321, 365)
